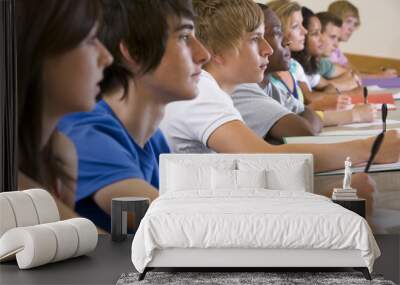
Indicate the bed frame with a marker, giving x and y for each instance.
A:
(242, 259)
(246, 258)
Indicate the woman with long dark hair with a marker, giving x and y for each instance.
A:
(60, 64)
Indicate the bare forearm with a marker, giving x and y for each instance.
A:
(334, 118)
(313, 119)
(289, 126)
(330, 156)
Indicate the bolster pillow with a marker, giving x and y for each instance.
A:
(40, 244)
(26, 208)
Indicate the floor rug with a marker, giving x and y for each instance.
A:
(244, 278)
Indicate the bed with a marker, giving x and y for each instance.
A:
(246, 211)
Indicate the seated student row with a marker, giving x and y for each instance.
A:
(118, 143)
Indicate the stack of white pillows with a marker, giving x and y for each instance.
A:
(31, 230)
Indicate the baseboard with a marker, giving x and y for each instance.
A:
(372, 64)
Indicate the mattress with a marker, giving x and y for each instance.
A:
(252, 219)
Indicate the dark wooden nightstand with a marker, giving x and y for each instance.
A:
(356, 205)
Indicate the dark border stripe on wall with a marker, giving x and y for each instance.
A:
(8, 97)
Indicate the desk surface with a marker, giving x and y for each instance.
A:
(392, 115)
(110, 259)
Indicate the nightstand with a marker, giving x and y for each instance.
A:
(356, 205)
(119, 215)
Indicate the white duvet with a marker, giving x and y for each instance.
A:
(250, 219)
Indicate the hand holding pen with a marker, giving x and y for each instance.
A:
(378, 140)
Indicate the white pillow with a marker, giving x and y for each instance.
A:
(226, 179)
(251, 179)
(223, 179)
(182, 177)
(283, 174)
(293, 181)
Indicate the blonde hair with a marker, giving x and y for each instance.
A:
(343, 9)
(220, 24)
(284, 9)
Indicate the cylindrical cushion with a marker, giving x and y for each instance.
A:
(23, 208)
(34, 246)
(67, 239)
(45, 205)
(7, 218)
(40, 244)
(87, 235)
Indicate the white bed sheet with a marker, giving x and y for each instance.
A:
(254, 218)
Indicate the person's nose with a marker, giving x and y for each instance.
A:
(105, 57)
(200, 53)
(265, 48)
(304, 30)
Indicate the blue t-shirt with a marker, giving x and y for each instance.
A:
(108, 154)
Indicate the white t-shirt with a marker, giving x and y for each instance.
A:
(298, 72)
(187, 125)
(313, 79)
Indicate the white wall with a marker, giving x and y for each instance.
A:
(379, 33)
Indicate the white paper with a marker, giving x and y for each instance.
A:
(351, 132)
(373, 168)
(323, 139)
(375, 123)
(375, 88)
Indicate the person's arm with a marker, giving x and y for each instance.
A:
(386, 73)
(305, 124)
(359, 114)
(318, 100)
(235, 137)
(311, 116)
(322, 100)
(345, 82)
(337, 71)
(124, 188)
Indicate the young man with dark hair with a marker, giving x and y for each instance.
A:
(157, 60)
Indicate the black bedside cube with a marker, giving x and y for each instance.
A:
(356, 205)
(119, 211)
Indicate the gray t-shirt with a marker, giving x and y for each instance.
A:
(257, 107)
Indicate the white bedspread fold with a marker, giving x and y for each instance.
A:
(250, 219)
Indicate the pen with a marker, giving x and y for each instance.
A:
(379, 139)
(384, 115)
(365, 94)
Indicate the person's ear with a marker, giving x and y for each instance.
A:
(222, 57)
(128, 59)
(218, 59)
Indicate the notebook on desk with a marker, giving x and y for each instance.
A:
(376, 100)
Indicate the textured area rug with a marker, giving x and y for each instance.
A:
(244, 278)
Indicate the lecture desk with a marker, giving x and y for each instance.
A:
(110, 259)
(387, 199)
